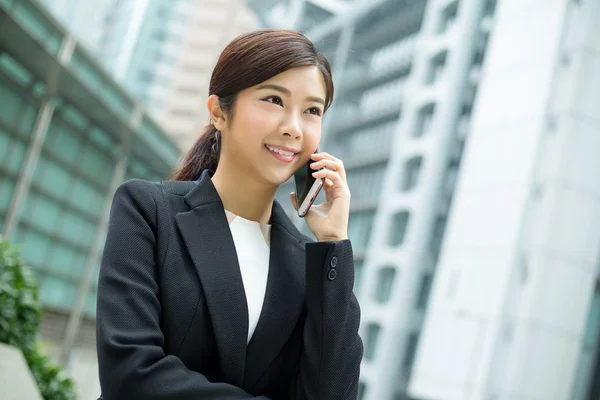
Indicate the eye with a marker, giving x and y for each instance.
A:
(315, 111)
(274, 99)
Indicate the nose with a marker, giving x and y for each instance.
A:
(292, 127)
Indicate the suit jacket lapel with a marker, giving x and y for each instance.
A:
(284, 297)
(206, 233)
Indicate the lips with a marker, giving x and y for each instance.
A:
(286, 151)
(281, 154)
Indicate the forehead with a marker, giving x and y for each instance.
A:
(305, 81)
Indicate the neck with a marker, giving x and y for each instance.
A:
(243, 195)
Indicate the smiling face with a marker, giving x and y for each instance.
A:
(275, 126)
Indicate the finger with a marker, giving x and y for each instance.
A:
(324, 155)
(336, 166)
(328, 183)
(334, 177)
(293, 199)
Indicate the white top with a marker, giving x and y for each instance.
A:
(252, 244)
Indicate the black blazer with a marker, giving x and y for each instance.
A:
(172, 317)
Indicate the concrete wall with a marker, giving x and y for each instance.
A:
(16, 381)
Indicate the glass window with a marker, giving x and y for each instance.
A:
(383, 98)
(362, 390)
(373, 331)
(358, 272)
(90, 303)
(97, 166)
(35, 247)
(44, 214)
(385, 283)
(56, 292)
(61, 258)
(10, 98)
(424, 291)
(359, 228)
(375, 139)
(448, 17)
(5, 140)
(103, 141)
(437, 234)
(436, 68)
(490, 7)
(7, 187)
(462, 124)
(366, 183)
(411, 349)
(396, 56)
(451, 175)
(399, 227)
(27, 118)
(52, 177)
(16, 155)
(424, 120)
(73, 226)
(86, 198)
(412, 170)
(66, 143)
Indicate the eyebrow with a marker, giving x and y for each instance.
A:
(288, 92)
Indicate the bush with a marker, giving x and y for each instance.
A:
(20, 314)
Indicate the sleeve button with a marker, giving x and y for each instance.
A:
(334, 261)
(332, 274)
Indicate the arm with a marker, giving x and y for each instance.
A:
(330, 364)
(132, 363)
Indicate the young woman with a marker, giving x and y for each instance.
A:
(207, 290)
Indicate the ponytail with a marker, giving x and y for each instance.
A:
(204, 155)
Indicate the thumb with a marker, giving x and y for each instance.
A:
(293, 199)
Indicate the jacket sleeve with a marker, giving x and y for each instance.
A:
(329, 366)
(132, 363)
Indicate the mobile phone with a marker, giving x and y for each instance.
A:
(307, 188)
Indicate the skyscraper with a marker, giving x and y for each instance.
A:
(210, 26)
(418, 82)
(515, 307)
(162, 51)
(85, 19)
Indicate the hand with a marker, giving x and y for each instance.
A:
(328, 221)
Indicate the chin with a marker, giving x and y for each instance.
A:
(277, 178)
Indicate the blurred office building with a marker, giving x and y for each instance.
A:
(469, 132)
(163, 51)
(69, 135)
(84, 19)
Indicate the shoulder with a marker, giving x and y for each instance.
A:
(140, 189)
(151, 198)
(136, 191)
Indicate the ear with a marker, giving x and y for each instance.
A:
(217, 116)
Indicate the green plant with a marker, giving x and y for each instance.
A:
(20, 314)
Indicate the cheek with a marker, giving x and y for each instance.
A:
(253, 123)
(312, 136)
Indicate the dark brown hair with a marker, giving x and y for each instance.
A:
(248, 60)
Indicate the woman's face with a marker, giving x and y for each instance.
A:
(276, 125)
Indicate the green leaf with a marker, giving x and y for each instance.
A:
(20, 314)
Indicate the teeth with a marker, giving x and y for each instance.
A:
(282, 152)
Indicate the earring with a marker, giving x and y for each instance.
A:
(215, 146)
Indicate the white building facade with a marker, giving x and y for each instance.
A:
(515, 307)
(477, 114)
